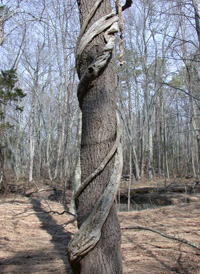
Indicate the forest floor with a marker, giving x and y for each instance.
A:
(34, 240)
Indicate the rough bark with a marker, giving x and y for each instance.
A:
(99, 127)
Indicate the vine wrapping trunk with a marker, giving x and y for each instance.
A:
(96, 246)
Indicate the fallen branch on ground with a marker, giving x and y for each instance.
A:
(164, 235)
(61, 213)
(46, 212)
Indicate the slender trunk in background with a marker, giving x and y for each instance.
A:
(49, 125)
(150, 151)
(136, 171)
(19, 169)
(32, 138)
(142, 144)
(63, 97)
(132, 150)
(165, 149)
(38, 162)
(197, 16)
(130, 179)
(178, 139)
(2, 144)
(147, 98)
(158, 138)
(193, 152)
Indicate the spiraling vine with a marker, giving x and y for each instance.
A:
(90, 231)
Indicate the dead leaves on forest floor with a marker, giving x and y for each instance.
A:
(32, 241)
(148, 252)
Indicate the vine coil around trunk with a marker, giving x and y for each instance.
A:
(90, 231)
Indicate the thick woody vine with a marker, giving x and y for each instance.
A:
(90, 231)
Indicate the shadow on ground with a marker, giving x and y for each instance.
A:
(60, 238)
(47, 257)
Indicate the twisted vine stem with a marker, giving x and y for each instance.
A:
(90, 231)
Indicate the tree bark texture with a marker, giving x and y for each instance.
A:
(99, 128)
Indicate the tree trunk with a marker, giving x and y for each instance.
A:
(99, 127)
(63, 102)
(165, 149)
(77, 173)
(196, 14)
(32, 139)
(49, 125)
(136, 171)
(2, 144)
(142, 143)
(150, 151)
(130, 179)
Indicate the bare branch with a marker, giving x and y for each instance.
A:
(46, 212)
(60, 213)
(182, 90)
(175, 238)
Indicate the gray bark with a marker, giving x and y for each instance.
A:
(98, 136)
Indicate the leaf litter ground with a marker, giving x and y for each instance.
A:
(34, 241)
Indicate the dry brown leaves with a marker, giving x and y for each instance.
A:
(32, 241)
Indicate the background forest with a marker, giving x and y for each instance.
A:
(158, 94)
